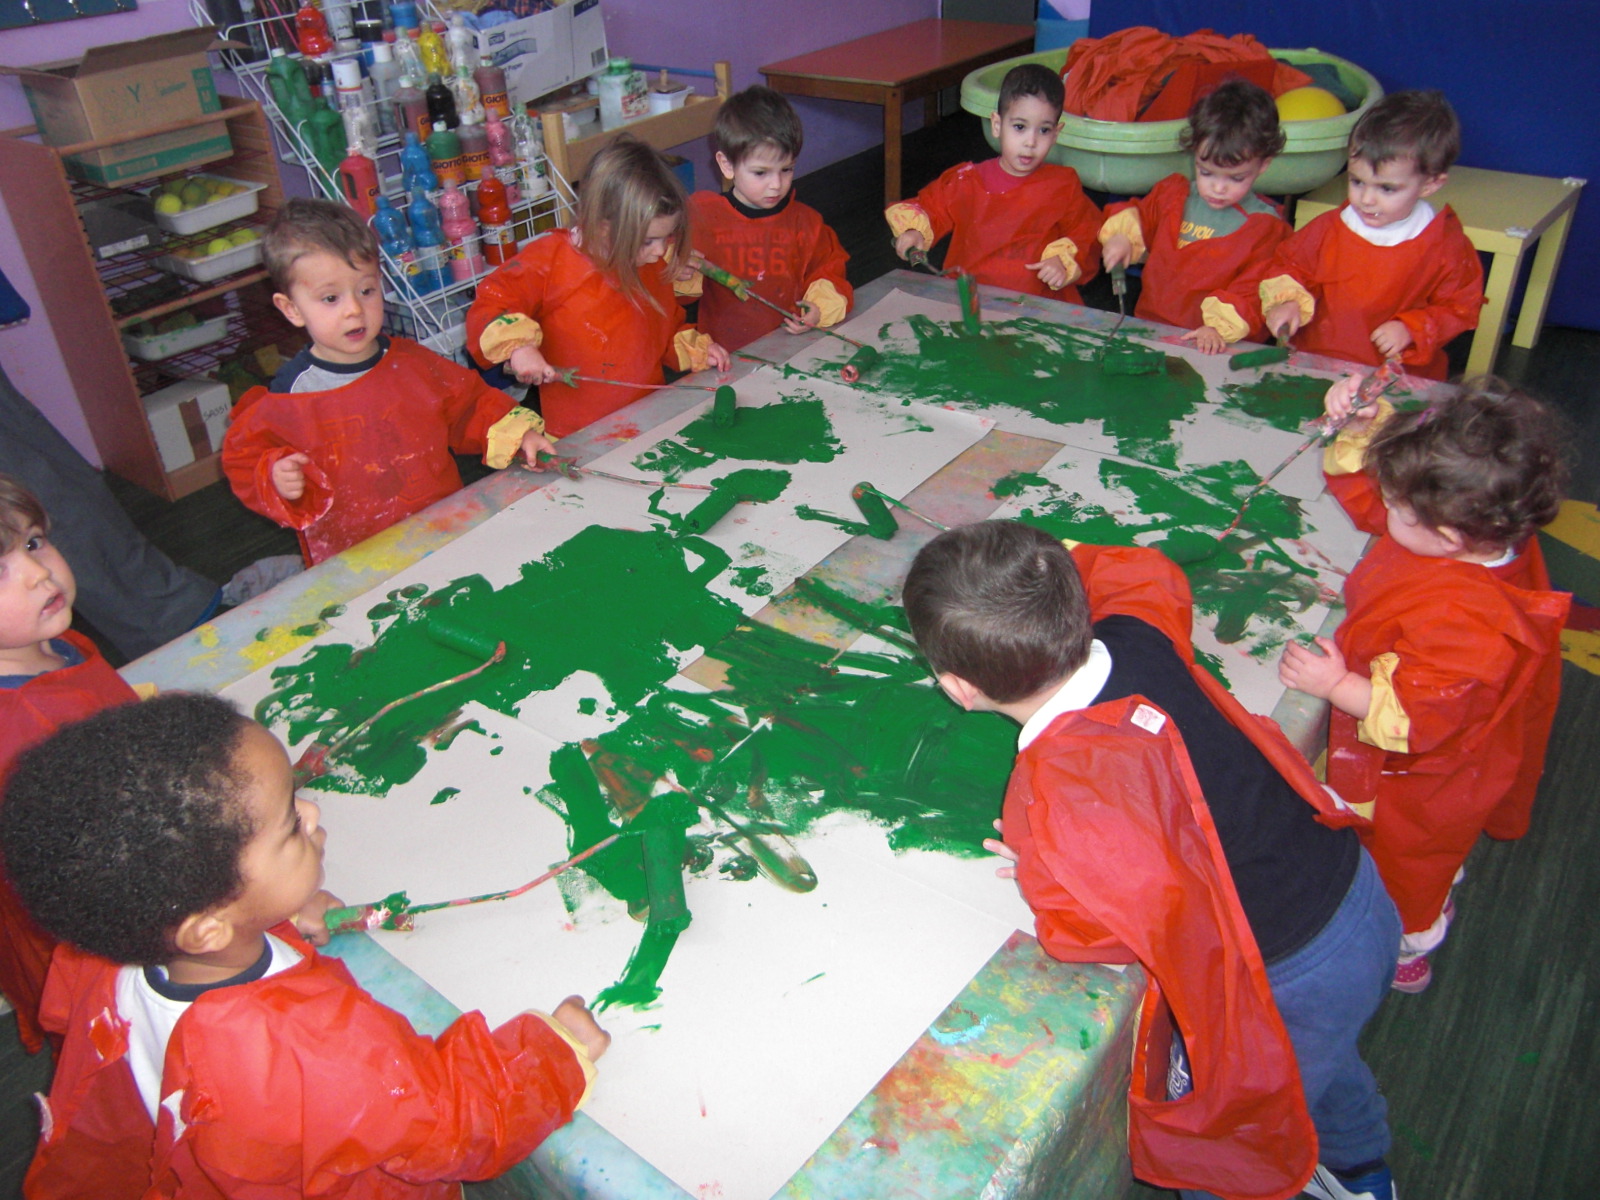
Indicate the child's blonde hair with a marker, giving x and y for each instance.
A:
(627, 186)
(1487, 463)
(20, 512)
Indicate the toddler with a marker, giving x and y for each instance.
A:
(358, 430)
(209, 1049)
(1207, 242)
(760, 232)
(597, 297)
(1015, 221)
(1444, 675)
(1384, 276)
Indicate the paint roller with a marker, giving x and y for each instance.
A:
(750, 486)
(865, 357)
(489, 650)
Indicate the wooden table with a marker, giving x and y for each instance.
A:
(897, 65)
(1502, 214)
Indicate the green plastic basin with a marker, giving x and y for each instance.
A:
(1131, 157)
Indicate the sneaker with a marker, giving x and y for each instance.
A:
(1376, 1184)
(1412, 975)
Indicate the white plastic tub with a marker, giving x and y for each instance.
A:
(218, 212)
(164, 345)
(213, 266)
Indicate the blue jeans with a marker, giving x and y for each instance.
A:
(1326, 992)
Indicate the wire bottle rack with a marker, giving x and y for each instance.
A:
(435, 318)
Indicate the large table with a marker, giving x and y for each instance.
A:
(1016, 1089)
(896, 66)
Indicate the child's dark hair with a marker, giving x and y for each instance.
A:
(1417, 125)
(1000, 605)
(306, 226)
(753, 118)
(20, 513)
(628, 185)
(1236, 123)
(1031, 79)
(1487, 463)
(119, 827)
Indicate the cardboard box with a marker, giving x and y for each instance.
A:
(188, 420)
(588, 37)
(548, 50)
(120, 90)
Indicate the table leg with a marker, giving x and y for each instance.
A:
(1541, 279)
(1492, 320)
(893, 123)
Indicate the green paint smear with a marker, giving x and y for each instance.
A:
(587, 706)
(1285, 402)
(444, 794)
(1048, 370)
(794, 429)
(752, 580)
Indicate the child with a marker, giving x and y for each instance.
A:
(597, 297)
(1208, 241)
(1016, 221)
(358, 430)
(1443, 677)
(49, 676)
(1384, 276)
(224, 1059)
(1152, 819)
(760, 232)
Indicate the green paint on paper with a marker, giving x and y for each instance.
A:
(587, 705)
(444, 794)
(754, 485)
(1282, 401)
(792, 430)
(1084, 1040)
(1045, 369)
(494, 750)
(332, 611)
(1017, 483)
(752, 580)
(741, 867)
(310, 630)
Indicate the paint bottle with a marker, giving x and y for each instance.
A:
(444, 153)
(411, 110)
(461, 43)
(325, 131)
(311, 31)
(384, 74)
(503, 157)
(624, 95)
(499, 242)
(252, 31)
(528, 139)
(428, 239)
(404, 15)
(460, 234)
(408, 56)
(360, 121)
(491, 82)
(416, 168)
(441, 105)
(369, 33)
(290, 91)
(341, 20)
(358, 182)
(395, 238)
(474, 150)
(464, 89)
(430, 41)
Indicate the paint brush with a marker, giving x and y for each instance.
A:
(570, 377)
(919, 259)
(1119, 289)
(904, 507)
(865, 357)
(569, 467)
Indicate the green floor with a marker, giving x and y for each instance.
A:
(1493, 1075)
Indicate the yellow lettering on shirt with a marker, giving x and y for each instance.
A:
(1192, 231)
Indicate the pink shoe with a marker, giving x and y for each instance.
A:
(1412, 975)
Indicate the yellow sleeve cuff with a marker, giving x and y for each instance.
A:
(1127, 224)
(1386, 725)
(1070, 544)
(1344, 455)
(1224, 318)
(146, 691)
(505, 436)
(691, 287)
(584, 1061)
(508, 333)
(825, 298)
(691, 345)
(906, 215)
(1067, 251)
(1279, 288)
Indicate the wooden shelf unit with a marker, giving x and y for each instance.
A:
(44, 208)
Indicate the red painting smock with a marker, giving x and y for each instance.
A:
(1114, 881)
(579, 318)
(1178, 280)
(28, 715)
(296, 1085)
(782, 255)
(1000, 222)
(1346, 287)
(1476, 667)
(380, 447)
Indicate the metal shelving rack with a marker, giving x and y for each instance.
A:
(436, 319)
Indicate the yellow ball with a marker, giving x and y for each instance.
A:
(1309, 104)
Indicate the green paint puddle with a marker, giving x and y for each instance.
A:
(444, 794)
(1285, 402)
(794, 429)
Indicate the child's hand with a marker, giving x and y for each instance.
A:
(309, 920)
(810, 314)
(910, 240)
(1206, 340)
(1391, 338)
(1283, 320)
(1341, 401)
(534, 444)
(690, 264)
(719, 358)
(1304, 670)
(289, 476)
(1052, 272)
(577, 1020)
(1117, 251)
(529, 366)
(996, 846)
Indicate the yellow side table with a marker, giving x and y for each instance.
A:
(1502, 214)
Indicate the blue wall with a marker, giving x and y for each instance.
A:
(1524, 75)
